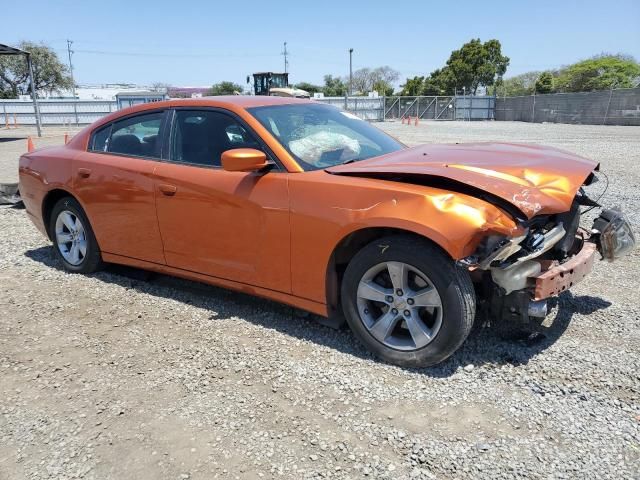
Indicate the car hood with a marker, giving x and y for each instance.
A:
(534, 179)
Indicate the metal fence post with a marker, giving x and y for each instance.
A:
(606, 113)
(384, 108)
(533, 111)
(75, 111)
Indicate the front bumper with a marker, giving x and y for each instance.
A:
(559, 278)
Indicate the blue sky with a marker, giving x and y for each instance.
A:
(201, 42)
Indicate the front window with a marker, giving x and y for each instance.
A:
(320, 136)
(200, 136)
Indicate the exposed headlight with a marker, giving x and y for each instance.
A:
(616, 236)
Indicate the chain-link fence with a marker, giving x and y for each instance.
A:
(367, 108)
(608, 107)
(423, 107)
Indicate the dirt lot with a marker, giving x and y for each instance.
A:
(113, 376)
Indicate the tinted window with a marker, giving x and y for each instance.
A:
(99, 139)
(137, 136)
(200, 137)
(320, 136)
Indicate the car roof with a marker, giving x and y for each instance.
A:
(243, 101)
(230, 102)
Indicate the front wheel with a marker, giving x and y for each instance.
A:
(407, 301)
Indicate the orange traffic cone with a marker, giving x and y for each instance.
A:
(416, 124)
(409, 120)
(30, 147)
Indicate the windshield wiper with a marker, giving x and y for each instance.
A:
(351, 160)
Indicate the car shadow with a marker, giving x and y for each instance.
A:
(484, 345)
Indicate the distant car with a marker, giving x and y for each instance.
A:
(305, 204)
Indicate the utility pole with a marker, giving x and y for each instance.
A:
(73, 82)
(351, 71)
(36, 109)
(286, 62)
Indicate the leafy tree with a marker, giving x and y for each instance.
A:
(475, 64)
(308, 87)
(440, 82)
(601, 72)
(49, 72)
(382, 87)
(334, 86)
(224, 88)
(544, 83)
(519, 85)
(412, 86)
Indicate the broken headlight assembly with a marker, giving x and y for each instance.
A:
(614, 235)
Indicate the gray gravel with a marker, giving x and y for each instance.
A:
(114, 376)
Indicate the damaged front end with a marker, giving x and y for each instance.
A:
(516, 276)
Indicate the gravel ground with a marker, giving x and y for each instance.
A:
(117, 376)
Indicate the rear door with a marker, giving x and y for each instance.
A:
(114, 182)
(231, 225)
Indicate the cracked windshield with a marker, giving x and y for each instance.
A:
(321, 136)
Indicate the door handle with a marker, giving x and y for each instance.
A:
(168, 190)
(84, 172)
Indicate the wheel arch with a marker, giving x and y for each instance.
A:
(48, 202)
(345, 249)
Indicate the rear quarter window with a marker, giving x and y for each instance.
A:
(99, 138)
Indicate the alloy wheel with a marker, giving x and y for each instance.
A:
(399, 305)
(71, 237)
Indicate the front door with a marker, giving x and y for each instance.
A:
(230, 225)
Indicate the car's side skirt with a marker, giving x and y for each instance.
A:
(298, 302)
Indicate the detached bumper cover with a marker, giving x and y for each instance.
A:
(562, 277)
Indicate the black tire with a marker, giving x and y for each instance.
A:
(92, 260)
(452, 283)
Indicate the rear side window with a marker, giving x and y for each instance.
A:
(137, 136)
(99, 139)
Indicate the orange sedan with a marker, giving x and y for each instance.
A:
(308, 205)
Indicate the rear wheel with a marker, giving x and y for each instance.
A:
(73, 238)
(407, 301)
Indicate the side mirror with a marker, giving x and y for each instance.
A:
(243, 160)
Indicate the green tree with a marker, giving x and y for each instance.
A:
(334, 86)
(518, 86)
(475, 64)
(544, 83)
(412, 86)
(439, 82)
(382, 87)
(601, 72)
(224, 88)
(308, 87)
(49, 73)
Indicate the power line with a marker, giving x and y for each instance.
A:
(172, 55)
